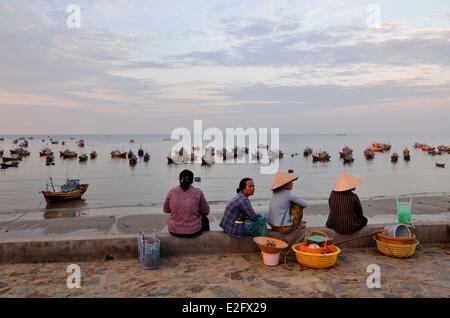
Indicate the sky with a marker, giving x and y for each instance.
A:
(144, 67)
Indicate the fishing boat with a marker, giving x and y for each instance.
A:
(93, 154)
(80, 143)
(432, 152)
(348, 159)
(49, 159)
(443, 148)
(20, 151)
(15, 141)
(440, 165)
(377, 147)
(394, 157)
(369, 154)
(307, 151)
(386, 147)
(55, 142)
(131, 141)
(71, 190)
(133, 160)
(141, 152)
(23, 144)
(322, 156)
(12, 164)
(427, 148)
(44, 152)
(345, 152)
(63, 143)
(146, 157)
(130, 154)
(83, 157)
(68, 154)
(406, 155)
(118, 154)
(12, 157)
(2, 139)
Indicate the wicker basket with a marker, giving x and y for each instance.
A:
(396, 249)
(397, 240)
(316, 260)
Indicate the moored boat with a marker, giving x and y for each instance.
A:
(93, 154)
(322, 156)
(369, 154)
(133, 160)
(406, 155)
(83, 157)
(118, 154)
(146, 157)
(348, 159)
(68, 154)
(345, 152)
(141, 152)
(440, 165)
(44, 152)
(394, 157)
(71, 190)
(377, 147)
(307, 151)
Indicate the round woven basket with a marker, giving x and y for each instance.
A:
(313, 260)
(397, 240)
(395, 249)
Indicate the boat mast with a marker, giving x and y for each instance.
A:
(51, 181)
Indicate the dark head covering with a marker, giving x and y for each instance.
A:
(186, 179)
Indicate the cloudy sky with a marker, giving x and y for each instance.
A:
(142, 66)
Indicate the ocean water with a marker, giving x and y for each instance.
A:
(113, 183)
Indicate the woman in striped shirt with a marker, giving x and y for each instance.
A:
(346, 213)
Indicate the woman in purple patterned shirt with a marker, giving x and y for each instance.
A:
(187, 207)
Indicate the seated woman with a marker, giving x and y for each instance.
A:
(285, 209)
(346, 214)
(187, 207)
(239, 219)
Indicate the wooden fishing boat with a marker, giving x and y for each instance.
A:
(377, 147)
(71, 190)
(55, 142)
(68, 154)
(132, 160)
(146, 157)
(386, 147)
(130, 154)
(433, 152)
(49, 159)
(83, 157)
(44, 152)
(348, 159)
(141, 152)
(369, 154)
(440, 165)
(406, 155)
(394, 157)
(80, 143)
(118, 154)
(307, 151)
(427, 148)
(322, 156)
(5, 165)
(93, 155)
(443, 148)
(2, 139)
(12, 158)
(345, 152)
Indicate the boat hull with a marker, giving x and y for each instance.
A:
(65, 196)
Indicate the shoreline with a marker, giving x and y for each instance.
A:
(119, 221)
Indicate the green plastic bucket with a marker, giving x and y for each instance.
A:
(404, 212)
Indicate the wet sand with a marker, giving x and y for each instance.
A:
(130, 220)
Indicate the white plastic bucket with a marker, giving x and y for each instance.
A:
(397, 230)
(271, 259)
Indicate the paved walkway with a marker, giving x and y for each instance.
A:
(427, 274)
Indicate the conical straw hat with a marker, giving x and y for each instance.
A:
(282, 178)
(270, 245)
(346, 182)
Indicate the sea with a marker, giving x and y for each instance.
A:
(113, 183)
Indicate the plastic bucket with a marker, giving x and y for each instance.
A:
(271, 259)
(397, 230)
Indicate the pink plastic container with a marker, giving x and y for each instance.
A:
(271, 259)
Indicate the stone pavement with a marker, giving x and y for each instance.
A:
(427, 274)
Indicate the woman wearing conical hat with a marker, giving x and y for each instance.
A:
(285, 209)
(346, 213)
